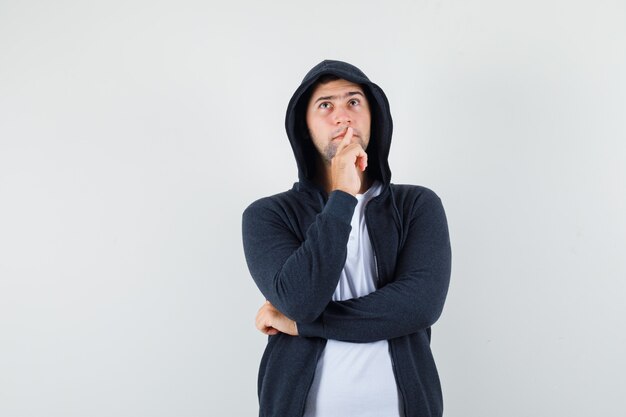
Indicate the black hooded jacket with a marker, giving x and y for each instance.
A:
(295, 245)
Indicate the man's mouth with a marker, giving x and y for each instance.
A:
(342, 134)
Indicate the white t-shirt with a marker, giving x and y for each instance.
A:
(355, 379)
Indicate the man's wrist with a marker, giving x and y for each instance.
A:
(341, 204)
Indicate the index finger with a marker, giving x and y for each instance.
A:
(346, 139)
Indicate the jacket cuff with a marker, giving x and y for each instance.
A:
(313, 329)
(341, 204)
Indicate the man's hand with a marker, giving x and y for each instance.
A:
(271, 321)
(348, 160)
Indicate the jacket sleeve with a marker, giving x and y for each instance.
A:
(412, 301)
(297, 277)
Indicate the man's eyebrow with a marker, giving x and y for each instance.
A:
(348, 94)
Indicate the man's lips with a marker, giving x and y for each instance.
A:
(342, 134)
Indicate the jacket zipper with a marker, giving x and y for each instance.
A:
(317, 358)
(369, 232)
(395, 374)
(377, 274)
(391, 351)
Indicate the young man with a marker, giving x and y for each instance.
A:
(355, 269)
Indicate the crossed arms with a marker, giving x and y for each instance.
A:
(298, 278)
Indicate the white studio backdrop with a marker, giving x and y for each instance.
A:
(134, 133)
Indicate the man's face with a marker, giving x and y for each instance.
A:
(332, 108)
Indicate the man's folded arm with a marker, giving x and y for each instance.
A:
(297, 277)
(413, 301)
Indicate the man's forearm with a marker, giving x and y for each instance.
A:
(298, 277)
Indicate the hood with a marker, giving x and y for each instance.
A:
(381, 129)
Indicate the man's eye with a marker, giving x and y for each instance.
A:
(354, 102)
(324, 105)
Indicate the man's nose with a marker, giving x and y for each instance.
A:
(342, 116)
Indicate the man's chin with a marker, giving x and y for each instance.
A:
(330, 151)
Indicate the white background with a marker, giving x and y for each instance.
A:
(134, 133)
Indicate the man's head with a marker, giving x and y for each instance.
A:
(334, 105)
(310, 134)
